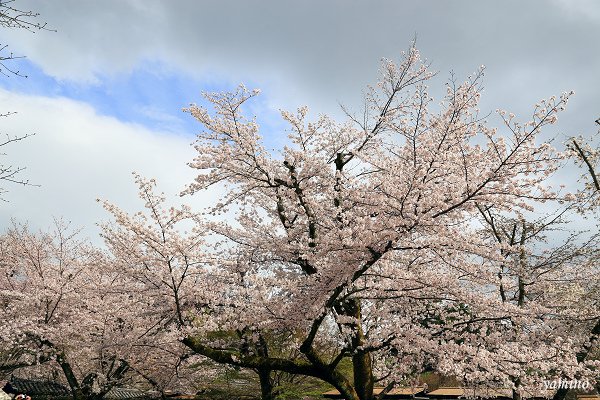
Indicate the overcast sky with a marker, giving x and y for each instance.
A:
(104, 92)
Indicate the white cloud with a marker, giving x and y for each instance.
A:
(78, 156)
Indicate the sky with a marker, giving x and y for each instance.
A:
(106, 86)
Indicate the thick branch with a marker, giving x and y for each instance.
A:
(588, 163)
(251, 361)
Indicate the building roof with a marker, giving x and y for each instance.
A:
(35, 387)
(124, 393)
(49, 389)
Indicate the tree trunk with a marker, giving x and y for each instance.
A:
(560, 394)
(264, 374)
(346, 390)
(76, 391)
(266, 386)
(362, 363)
(363, 375)
(516, 395)
(516, 392)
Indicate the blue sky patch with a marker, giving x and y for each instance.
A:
(152, 95)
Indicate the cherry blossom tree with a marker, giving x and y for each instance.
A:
(363, 231)
(550, 272)
(43, 288)
(68, 311)
(166, 277)
(584, 153)
(161, 251)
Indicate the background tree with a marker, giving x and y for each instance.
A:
(14, 17)
(67, 312)
(168, 276)
(43, 282)
(586, 156)
(553, 268)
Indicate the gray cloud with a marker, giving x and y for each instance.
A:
(321, 52)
